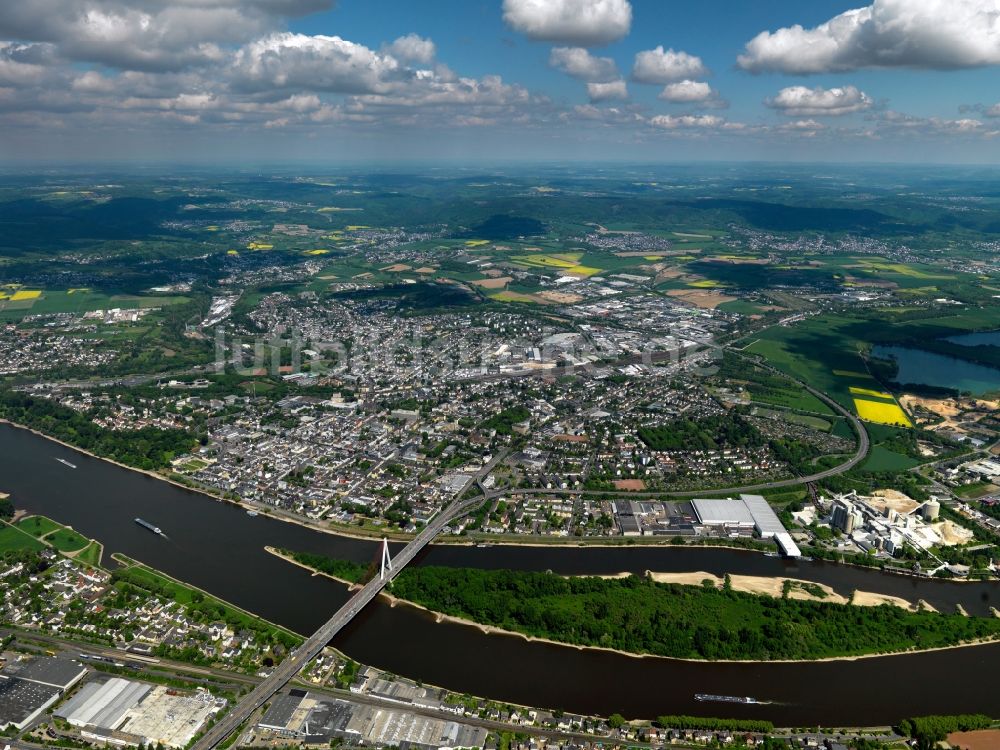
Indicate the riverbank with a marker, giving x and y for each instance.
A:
(348, 532)
(126, 563)
(443, 541)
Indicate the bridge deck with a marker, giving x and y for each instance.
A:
(311, 648)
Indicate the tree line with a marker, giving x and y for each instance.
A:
(149, 448)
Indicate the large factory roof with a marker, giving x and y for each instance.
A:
(103, 705)
(717, 512)
(748, 510)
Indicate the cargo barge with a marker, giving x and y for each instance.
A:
(150, 527)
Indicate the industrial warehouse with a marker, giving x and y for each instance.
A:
(744, 516)
(30, 686)
(316, 721)
(123, 712)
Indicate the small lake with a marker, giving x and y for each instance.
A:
(983, 338)
(928, 368)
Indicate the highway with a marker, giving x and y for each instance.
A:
(310, 649)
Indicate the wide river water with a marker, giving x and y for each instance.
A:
(219, 548)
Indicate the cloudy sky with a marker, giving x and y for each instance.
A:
(256, 81)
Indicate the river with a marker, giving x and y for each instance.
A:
(219, 548)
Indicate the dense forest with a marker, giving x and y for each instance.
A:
(344, 570)
(637, 615)
(148, 448)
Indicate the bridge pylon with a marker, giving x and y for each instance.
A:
(386, 560)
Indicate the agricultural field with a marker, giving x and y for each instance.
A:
(882, 412)
(78, 301)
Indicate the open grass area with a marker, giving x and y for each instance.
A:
(742, 307)
(91, 554)
(13, 539)
(63, 538)
(827, 351)
(38, 526)
(67, 540)
(881, 458)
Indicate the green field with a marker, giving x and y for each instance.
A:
(883, 459)
(63, 538)
(742, 307)
(38, 526)
(67, 540)
(826, 350)
(13, 539)
(91, 554)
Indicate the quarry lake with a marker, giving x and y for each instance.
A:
(219, 548)
(930, 368)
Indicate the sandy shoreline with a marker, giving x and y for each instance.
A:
(800, 589)
(696, 577)
(351, 585)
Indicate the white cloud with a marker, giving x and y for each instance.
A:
(313, 63)
(579, 63)
(805, 127)
(688, 92)
(94, 83)
(798, 101)
(687, 122)
(602, 92)
(438, 95)
(661, 66)
(604, 116)
(939, 34)
(584, 23)
(891, 123)
(413, 48)
(987, 110)
(135, 35)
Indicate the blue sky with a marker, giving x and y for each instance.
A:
(474, 80)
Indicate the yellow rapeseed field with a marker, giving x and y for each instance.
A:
(582, 270)
(881, 413)
(869, 392)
